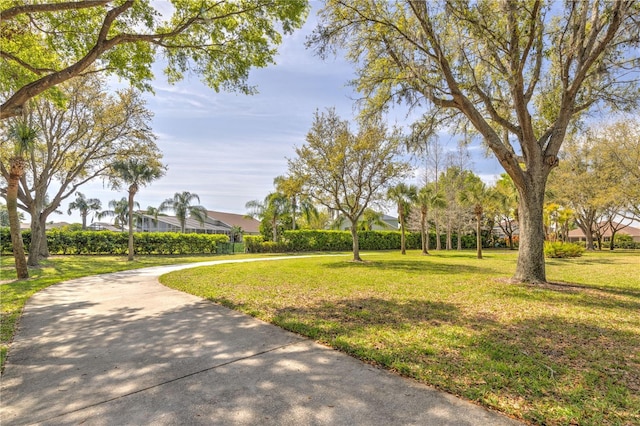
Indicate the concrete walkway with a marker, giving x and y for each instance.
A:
(121, 349)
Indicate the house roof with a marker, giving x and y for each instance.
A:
(248, 224)
(189, 223)
(629, 230)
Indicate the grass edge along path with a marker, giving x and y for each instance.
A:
(564, 353)
(14, 294)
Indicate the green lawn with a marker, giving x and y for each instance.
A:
(564, 353)
(14, 294)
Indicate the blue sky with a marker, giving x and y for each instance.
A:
(228, 147)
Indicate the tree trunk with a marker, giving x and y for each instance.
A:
(479, 235)
(449, 244)
(403, 248)
(459, 231)
(354, 236)
(438, 242)
(16, 170)
(613, 238)
(130, 254)
(37, 234)
(530, 267)
(425, 232)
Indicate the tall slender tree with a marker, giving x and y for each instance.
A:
(474, 195)
(275, 207)
(135, 173)
(182, 206)
(119, 210)
(85, 206)
(23, 137)
(404, 196)
(428, 197)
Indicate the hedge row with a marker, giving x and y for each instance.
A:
(318, 240)
(108, 242)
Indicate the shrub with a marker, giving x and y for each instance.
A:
(562, 250)
(108, 242)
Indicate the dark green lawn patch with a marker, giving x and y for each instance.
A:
(562, 353)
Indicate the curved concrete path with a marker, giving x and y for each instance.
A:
(121, 349)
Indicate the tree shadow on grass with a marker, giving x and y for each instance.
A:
(546, 364)
(415, 267)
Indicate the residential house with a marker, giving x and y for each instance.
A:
(577, 234)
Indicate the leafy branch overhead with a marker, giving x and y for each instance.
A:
(43, 45)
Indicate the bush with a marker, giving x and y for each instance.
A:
(108, 242)
(562, 250)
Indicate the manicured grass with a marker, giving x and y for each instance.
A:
(14, 294)
(564, 353)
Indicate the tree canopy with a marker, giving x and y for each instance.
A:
(518, 71)
(45, 44)
(346, 171)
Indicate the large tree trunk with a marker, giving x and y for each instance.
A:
(531, 266)
(356, 245)
(16, 170)
(37, 235)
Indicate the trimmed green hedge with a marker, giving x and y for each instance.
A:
(108, 242)
(319, 240)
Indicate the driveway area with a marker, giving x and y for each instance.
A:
(121, 349)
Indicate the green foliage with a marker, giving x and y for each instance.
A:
(108, 242)
(562, 250)
(221, 41)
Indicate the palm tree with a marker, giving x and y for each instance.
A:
(119, 209)
(84, 206)
(272, 209)
(135, 173)
(291, 187)
(426, 199)
(474, 194)
(24, 137)
(404, 196)
(369, 219)
(235, 232)
(181, 206)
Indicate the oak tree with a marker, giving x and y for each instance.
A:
(43, 44)
(518, 71)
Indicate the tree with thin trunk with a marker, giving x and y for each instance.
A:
(135, 173)
(23, 137)
(119, 210)
(519, 71)
(347, 172)
(474, 195)
(275, 207)
(182, 206)
(84, 206)
(404, 196)
(428, 197)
